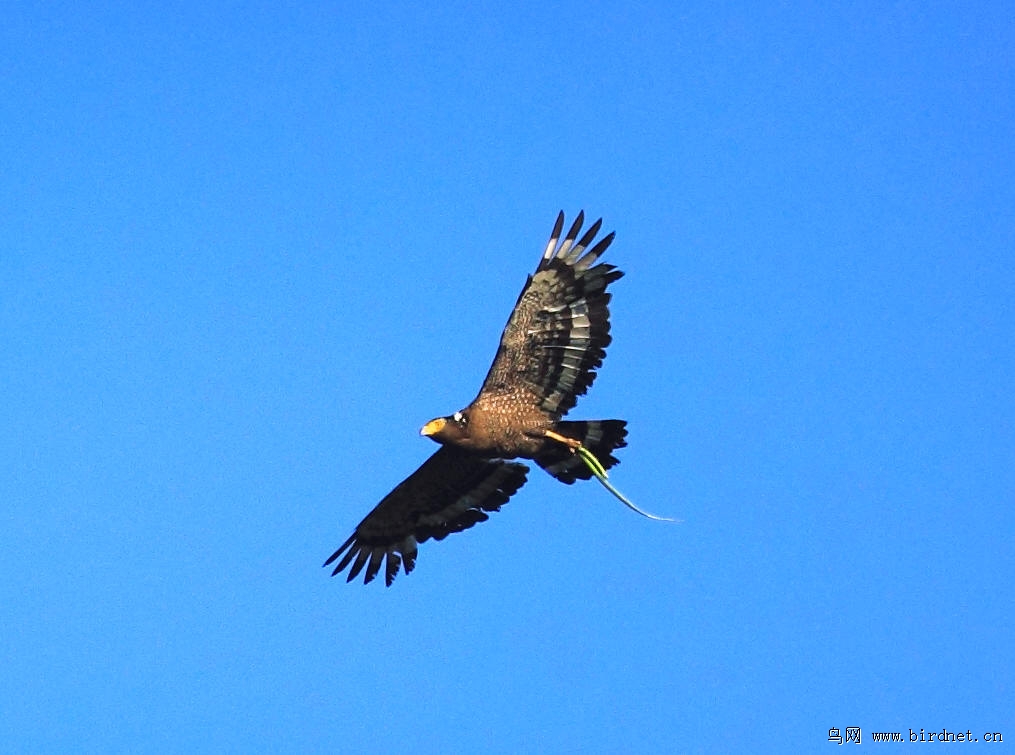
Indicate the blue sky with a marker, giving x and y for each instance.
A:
(247, 251)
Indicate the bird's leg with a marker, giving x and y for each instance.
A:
(571, 443)
(576, 447)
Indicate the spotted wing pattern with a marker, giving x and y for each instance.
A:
(452, 491)
(557, 334)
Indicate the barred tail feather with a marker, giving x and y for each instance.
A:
(601, 437)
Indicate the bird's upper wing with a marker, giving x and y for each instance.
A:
(451, 492)
(558, 332)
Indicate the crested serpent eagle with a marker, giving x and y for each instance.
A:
(552, 344)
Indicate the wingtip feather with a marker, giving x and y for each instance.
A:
(551, 245)
(595, 252)
(339, 552)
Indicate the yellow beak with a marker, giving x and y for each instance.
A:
(433, 427)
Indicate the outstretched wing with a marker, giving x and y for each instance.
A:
(558, 332)
(451, 492)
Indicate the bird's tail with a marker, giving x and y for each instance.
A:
(601, 437)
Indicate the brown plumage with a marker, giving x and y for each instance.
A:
(549, 351)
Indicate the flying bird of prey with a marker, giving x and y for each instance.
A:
(549, 351)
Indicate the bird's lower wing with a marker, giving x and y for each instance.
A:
(449, 493)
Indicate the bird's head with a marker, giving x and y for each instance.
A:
(453, 429)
